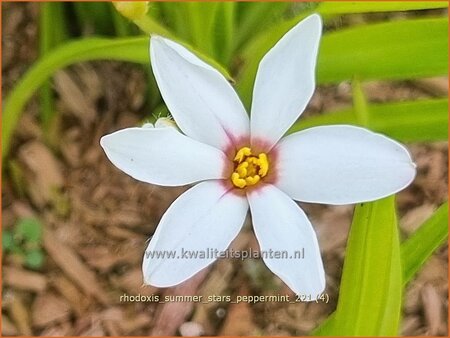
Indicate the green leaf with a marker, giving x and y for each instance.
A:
(200, 19)
(350, 7)
(94, 16)
(404, 49)
(255, 17)
(360, 103)
(121, 25)
(414, 251)
(30, 229)
(53, 30)
(391, 50)
(371, 286)
(418, 247)
(409, 121)
(34, 259)
(175, 17)
(224, 28)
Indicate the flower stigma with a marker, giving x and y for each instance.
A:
(248, 168)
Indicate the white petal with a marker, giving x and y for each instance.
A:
(163, 156)
(285, 81)
(341, 165)
(281, 226)
(205, 218)
(201, 100)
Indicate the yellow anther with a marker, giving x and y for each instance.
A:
(242, 153)
(249, 169)
(252, 180)
(237, 181)
(242, 169)
(263, 164)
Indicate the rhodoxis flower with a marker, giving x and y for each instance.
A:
(244, 163)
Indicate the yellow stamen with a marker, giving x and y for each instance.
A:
(263, 164)
(237, 181)
(249, 169)
(242, 169)
(252, 180)
(242, 153)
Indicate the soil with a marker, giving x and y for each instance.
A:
(97, 220)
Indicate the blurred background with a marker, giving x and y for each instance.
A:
(74, 228)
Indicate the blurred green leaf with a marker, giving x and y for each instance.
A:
(34, 259)
(360, 103)
(175, 18)
(30, 229)
(200, 19)
(410, 121)
(224, 31)
(52, 22)
(121, 25)
(7, 240)
(371, 285)
(350, 7)
(94, 17)
(403, 49)
(254, 17)
(419, 246)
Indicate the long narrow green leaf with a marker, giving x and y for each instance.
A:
(360, 105)
(328, 10)
(371, 286)
(224, 28)
(410, 121)
(394, 50)
(419, 247)
(404, 49)
(200, 18)
(349, 7)
(414, 251)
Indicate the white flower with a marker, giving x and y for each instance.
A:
(244, 163)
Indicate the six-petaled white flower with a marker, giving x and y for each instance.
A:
(245, 163)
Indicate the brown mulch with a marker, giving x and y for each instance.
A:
(97, 220)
